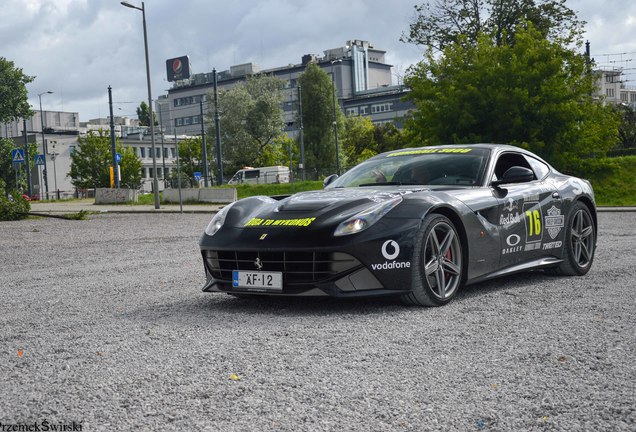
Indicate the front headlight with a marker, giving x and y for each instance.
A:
(363, 220)
(217, 221)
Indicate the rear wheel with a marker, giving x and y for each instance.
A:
(579, 243)
(437, 263)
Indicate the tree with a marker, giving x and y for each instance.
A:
(627, 128)
(444, 22)
(143, 114)
(190, 157)
(130, 167)
(358, 140)
(389, 137)
(251, 121)
(91, 161)
(535, 94)
(317, 105)
(13, 92)
(7, 171)
(362, 139)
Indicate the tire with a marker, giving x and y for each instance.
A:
(579, 243)
(437, 263)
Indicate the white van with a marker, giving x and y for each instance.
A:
(262, 175)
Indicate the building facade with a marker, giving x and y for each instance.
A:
(358, 71)
(611, 87)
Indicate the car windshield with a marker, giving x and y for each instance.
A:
(424, 166)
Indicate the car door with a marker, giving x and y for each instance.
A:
(522, 211)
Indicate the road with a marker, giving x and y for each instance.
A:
(103, 324)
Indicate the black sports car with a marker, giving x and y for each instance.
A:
(417, 222)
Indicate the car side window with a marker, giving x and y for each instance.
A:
(507, 161)
(251, 174)
(539, 168)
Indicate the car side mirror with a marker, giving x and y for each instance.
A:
(328, 180)
(515, 174)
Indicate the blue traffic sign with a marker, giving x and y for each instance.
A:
(197, 176)
(117, 157)
(39, 159)
(17, 155)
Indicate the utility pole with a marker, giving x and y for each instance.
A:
(113, 149)
(27, 159)
(204, 147)
(217, 128)
(302, 138)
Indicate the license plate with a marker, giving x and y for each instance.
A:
(268, 281)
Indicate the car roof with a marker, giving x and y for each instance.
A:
(497, 148)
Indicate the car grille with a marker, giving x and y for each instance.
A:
(297, 267)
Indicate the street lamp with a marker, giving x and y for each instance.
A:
(150, 113)
(335, 118)
(44, 173)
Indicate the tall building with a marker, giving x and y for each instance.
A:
(361, 77)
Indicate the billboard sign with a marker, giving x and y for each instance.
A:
(178, 68)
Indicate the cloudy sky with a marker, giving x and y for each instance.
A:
(77, 48)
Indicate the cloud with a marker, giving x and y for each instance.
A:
(77, 48)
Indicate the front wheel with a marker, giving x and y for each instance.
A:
(437, 263)
(579, 244)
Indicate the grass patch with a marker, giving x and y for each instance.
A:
(80, 215)
(147, 199)
(247, 190)
(615, 186)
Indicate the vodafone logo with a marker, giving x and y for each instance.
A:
(177, 66)
(390, 249)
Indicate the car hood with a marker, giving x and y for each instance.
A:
(314, 207)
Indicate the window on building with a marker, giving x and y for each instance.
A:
(142, 152)
(187, 120)
(364, 110)
(379, 108)
(143, 173)
(624, 96)
(609, 92)
(352, 111)
(632, 97)
(173, 152)
(178, 122)
(150, 152)
(165, 152)
(151, 173)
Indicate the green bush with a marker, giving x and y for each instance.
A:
(596, 168)
(12, 205)
(614, 180)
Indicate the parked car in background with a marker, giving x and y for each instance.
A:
(262, 175)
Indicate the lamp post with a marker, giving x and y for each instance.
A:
(44, 173)
(150, 113)
(335, 118)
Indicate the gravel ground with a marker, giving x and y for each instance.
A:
(103, 323)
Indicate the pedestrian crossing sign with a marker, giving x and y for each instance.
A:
(39, 159)
(17, 155)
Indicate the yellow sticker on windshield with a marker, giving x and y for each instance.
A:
(430, 151)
